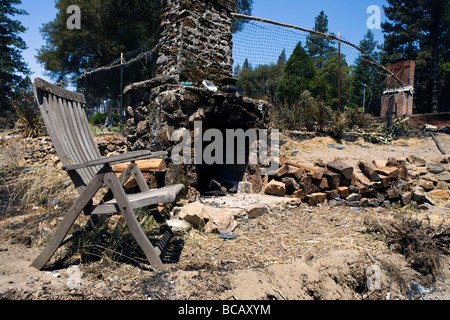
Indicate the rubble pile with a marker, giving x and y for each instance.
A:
(41, 149)
(381, 183)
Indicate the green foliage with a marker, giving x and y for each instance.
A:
(261, 83)
(367, 76)
(307, 112)
(316, 70)
(282, 58)
(338, 125)
(298, 75)
(322, 114)
(326, 82)
(116, 117)
(98, 119)
(242, 7)
(319, 47)
(355, 118)
(108, 28)
(12, 66)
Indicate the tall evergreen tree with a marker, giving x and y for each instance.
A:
(444, 65)
(325, 85)
(246, 65)
(109, 27)
(261, 82)
(13, 69)
(298, 74)
(319, 47)
(417, 30)
(237, 71)
(365, 76)
(282, 58)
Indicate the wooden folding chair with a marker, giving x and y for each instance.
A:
(68, 128)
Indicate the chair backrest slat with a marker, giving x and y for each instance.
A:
(77, 154)
(86, 138)
(83, 131)
(65, 134)
(67, 125)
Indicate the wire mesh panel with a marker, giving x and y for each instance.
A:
(105, 85)
(108, 83)
(286, 64)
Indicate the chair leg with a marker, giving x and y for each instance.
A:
(132, 223)
(68, 221)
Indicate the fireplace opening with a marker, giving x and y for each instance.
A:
(224, 176)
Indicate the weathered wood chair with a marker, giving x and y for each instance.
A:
(68, 128)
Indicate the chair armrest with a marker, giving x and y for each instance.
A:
(122, 158)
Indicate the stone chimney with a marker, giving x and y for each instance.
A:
(196, 41)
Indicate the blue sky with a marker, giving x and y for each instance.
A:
(347, 16)
(40, 12)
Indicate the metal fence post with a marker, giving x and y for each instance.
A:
(339, 73)
(121, 91)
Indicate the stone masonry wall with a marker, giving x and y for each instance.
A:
(196, 41)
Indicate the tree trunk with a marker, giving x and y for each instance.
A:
(435, 79)
(435, 37)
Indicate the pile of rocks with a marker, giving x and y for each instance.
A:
(432, 177)
(383, 183)
(111, 144)
(41, 150)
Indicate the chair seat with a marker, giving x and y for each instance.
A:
(141, 200)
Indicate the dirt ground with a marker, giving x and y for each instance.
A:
(295, 253)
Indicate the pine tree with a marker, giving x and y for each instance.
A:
(243, 7)
(366, 76)
(444, 65)
(298, 75)
(325, 85)
(109, 27)
(261, 82)
(12, 67)
(237, 71)
(319, 47)
(246, 65)
(282, 58)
